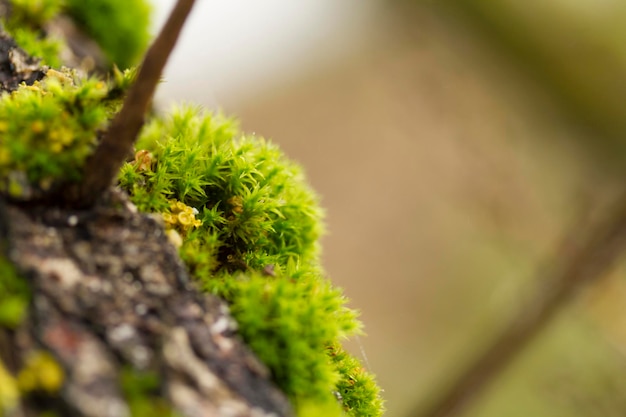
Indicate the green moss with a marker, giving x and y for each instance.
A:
(44, 48)
(246, 191)
(256, 245)
(47, 130)
(358, 389)
(142, 391)
(121, 27)
(26, 25)
(41, 373)
(34, 13)
(287, 321)
(14, 295)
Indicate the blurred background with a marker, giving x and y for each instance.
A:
(453, 144)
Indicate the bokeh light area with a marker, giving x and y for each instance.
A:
(454, 146)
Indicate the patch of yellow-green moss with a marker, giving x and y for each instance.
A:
(254, 240)
(47, 130)
(142, 391)
(9, 392)
(121, 27)
(40, 373)
(14, 295)
(26, 23)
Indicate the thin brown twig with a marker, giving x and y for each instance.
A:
(576, 266)
(117, 143)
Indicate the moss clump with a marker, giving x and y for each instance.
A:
(287, 320)
(26, 24)
(255, 243)
(356, 386)
(47, 130)
(247, 194)
(34, 13)
(120, 27)
(44, 48)
(143, 394)
(14, 295)
(40, 373)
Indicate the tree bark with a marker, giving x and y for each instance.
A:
(110, 293)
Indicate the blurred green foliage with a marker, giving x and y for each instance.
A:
(14, 295)
(121, 27)
(26, 24)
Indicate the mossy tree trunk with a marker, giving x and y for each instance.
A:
(113, 305)
(114, 327)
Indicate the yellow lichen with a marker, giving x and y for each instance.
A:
(168, 219)
(5, 157)
(63, 78)
(181, 218)
(40, 373)
(9, 393)
(185, 219)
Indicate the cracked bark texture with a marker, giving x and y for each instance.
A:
(109, 292)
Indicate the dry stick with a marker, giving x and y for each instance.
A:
(587, 262)
(108, 157)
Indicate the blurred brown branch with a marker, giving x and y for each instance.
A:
(584, 258)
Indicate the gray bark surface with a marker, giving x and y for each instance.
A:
(110, 292)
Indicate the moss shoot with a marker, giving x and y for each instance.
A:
(27, 23)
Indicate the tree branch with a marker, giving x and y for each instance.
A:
(104, 164)
(574, 267)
